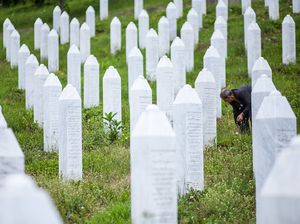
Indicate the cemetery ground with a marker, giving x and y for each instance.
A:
(104, 194)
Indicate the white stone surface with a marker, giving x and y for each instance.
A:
(187, 36)
(37, 33)
(56, 18)
(138, 7)
(44, 41)
(261, 66)
(219, 42)
(85, 42)
(90, 20)
(74, 68)
(74, 32)
(178, 61)
(221, 24)
(267, 3)
(64, 27)
(171, 12)
(165, 86)
(179, 7)
(53, 51)
(205, 86)
(31, 65)
(288, 40)
(131, 38)
(51, 91)
(249, 17)
(188, 127)
(153, 161)
(140, 98)
(91, 82)
(192, 18)
(103, 9)
(254, 45)
(197, 6)
(163, 36)
(296, 6)
(143, 22)
(245, 5)
(152, 49)
(3, 123)
(135, 66)
(40, 76)
(222, 10)
(70, 134)
(274, 9)
(5, 25)
(14, 48)
(10, 28)
(115, 35)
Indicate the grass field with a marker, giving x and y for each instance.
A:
(104, 195)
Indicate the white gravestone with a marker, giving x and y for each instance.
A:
(40, 76)
(187, 36)
(10, 28)
(288, 40)
(115, 35)
(192, 18)
(90, 20)
(70, 134)
(11, 155)
(85, 42)
(222, 10)
(140, 98)
(138, 7)
(212, 61)
(245, 5)
(219, 42)
(64, 28)
(296, 6)
(91, 82)
(249, 17)
(44, 41)
(197, 6)
(131, 38)
(103, 9)
(135, 66)
(254, 45)
(205, 86)
(14, 48)
(178, 61)
(5, 25)
(53, 51)
(280, 194)
(153, 169)
(74, 32)
(112, 93)
(3, 123)
(31, 65)
(262, 88)
(152, 49)
(56, 18)
(179, 7)
(171, 12)
(37, 33)
(165, 86)
(74, 68)
(221, 24)
(274, 9)
(275, 125)
(51, 91)
(23, 202)
(163, 36)
(143, 28)
(261, 66)
(188, 127)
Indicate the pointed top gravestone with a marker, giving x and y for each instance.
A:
(5, 25)
(64, 28)
(288, 40)
(163, 35)
(261, 66)
(53, 51)
(197, 5)
(115, 35)
(44, 41)
(56, 18)
(135, 66)
(249, 17)
(253, 45)
(14, 48)
(296, 6)
(222, 10)
(74, 32)
(74, 67)
(3, 123)
(85, 42)
(143, 22)
(31, 65)
(187, 95)
(171, 12)
(131, 38)
(219, 42)
(152, 48)
(90, 20)
(192, 18)
(103, 9)
(274, 9)
(138, 7)
(187, 36)
(179, 7)
(10, 28)
(245, 5)
(221, 24)
(37, 33)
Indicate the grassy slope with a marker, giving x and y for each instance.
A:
(104, 196)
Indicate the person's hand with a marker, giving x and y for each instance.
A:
(240, 118)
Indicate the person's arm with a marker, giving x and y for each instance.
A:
(246, 96)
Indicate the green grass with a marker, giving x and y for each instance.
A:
(104, 194)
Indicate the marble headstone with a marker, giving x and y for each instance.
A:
(131, 38)
(31, 65)
(143, 22)
(135, 66)
(187, 36)
(10, 28)
(221, 24)
(222, 10)
(85, 42)
(74, 68)
(5, 25)
(219, 42)
(296, 6)
(44, 41)
(245, 5)
(152, 49)
(64, 28)
(288, 40)
(197, 6)
(274, 9)
(163, 36)
(192, 18)
(90, 20)
(254, 45)
(56, 18)
(14, 48)
(249, 17)
(74, 32)
(179, 7)
(53, 51)
(261, 66)
(103, 9)
(138, 7)
(115, 35)
(37, 33)
(171, 12)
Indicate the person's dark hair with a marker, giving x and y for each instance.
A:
(225, 93)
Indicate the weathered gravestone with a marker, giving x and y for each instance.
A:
(179, 7)
(188, 126)
(91, 82)
(221, 24)
(280, 195)
(143, 28)
(153, 169)
(131, 38)
(5, 25)
(288, 40)
(56, 18)
(70, 134)
(31, 65)
(205, 86)
(296, 6)
(37, 33)
(254, 45)
(187, 36)
(197, 6)
(64, 28)
(85, 42)
(14, 48)
(261, 66)
(140, 98)
(112, 93)
(10, 28)
(74, 68)
(274, 9)
(249, 17)
(152, 49)
(219, 42)
(40, 76)
(178, 61)
(163, 36)
(51, 92)
(44, 41)
(3, 123)
(165, 86)
(22, 202)
(53, 51)
(192, 18)
(245, 5)
(135, 67)
(171, 12)
(276, 125)
(90, 20)
(222, 10)
(138, 7)
(103, 9)
(74, 32)
(115, 35)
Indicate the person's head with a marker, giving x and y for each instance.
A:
(227, 95)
